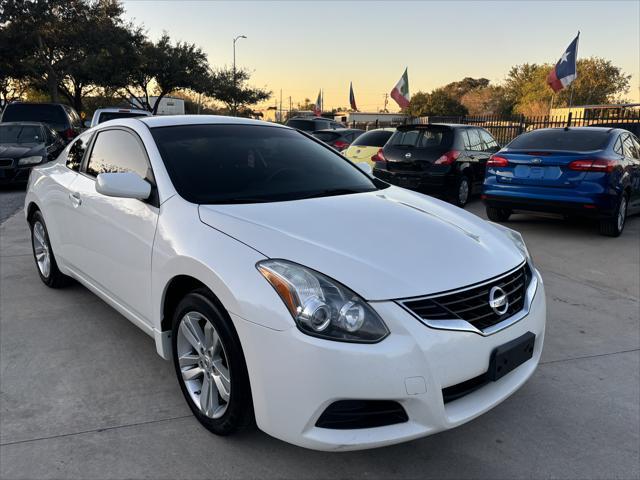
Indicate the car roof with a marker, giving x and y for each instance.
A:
(572, 129)
(175, 120)
(31, 124)
(413, 126)
(122, 109)
(338, 130)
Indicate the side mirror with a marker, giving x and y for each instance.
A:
(123, 185)
(365, 167)
(87, 124)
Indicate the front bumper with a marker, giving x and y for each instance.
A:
(14, 175)
(295, 377)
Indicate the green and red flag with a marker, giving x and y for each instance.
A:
(352, 98)
(400, 92)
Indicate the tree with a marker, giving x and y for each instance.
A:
(490, 100)
(231, 89)
(161, 68)
(436, 103)
(459, 89)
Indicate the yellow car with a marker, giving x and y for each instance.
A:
(367, 145)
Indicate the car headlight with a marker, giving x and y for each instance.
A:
(30, 160)
(517, 240)
(321, 307)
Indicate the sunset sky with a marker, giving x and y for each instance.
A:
(303, 46)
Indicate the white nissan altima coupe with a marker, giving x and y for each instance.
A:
(288, 285)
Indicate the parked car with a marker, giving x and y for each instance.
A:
(585, 171)
(23, 145)
(340, 138)
(62, 118)
(105, 114)
(259, 278)
(438, 159)
(313, 124)
(367, 145)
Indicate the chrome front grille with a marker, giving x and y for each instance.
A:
(471, 305)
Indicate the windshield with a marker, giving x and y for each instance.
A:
(105, 116)
(374, 138)
(51, 114)
(422, 138)
(21, 134)
(561, 139)
(252, 164)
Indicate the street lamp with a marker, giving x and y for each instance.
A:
(234, 66)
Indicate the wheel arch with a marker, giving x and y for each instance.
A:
(32, 208)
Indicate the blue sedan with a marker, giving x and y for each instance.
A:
(584, 171)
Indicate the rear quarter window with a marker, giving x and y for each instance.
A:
(561, 139)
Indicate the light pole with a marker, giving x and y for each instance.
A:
(234, 68)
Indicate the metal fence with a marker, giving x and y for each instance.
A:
(506, 128)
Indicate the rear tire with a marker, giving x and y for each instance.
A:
(462, 193)
(212, 373)
(613, 226)
(496, 214)
(43, 254)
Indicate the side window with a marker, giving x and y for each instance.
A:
(475, 142)
(77, 151)
(637, 145)
(628, 149)
(490, 145)
(116, 151)
(322, 125)
(618, 145)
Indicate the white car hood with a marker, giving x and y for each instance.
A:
(388, 244)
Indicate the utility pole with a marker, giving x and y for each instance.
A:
(234, 70)
(290, 106)
(386, 101)
(281, 105)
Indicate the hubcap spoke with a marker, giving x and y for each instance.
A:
(208, 397)
(192, 373)
(188, 360)
(192, 333)
(41, 249)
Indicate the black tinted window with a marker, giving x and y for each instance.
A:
(432, 137)
(561, 139)
(116, 151)
(21, 134)
(249, 164)
(406, 138)
(54, 115)
(374, 138)
(77, 151)
(105, 116)
(306, 125)
(326, 136)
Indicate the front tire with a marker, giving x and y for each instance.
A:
(43, 254)
(613, 226)
(210, 365)
(496, 214)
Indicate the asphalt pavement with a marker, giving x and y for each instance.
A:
(84, 395)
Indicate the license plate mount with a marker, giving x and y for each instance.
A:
(510, 356)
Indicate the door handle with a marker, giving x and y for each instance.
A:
(75, 199)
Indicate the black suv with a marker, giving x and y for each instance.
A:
(437, 159)
(313, 124)
(62, 118)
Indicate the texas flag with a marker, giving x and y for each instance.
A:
(317, 108)
(565, 70)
